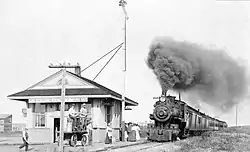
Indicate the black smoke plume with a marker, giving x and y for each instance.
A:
(211, 75)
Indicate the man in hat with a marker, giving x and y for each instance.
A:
(25, 139)
(83, 115)
(73, 114)
(83, 110)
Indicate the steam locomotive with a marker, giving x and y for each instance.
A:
(175, 119)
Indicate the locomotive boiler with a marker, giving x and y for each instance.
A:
(175, 119)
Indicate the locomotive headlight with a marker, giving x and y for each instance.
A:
(162, 99)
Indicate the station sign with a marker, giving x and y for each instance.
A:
(24, 112)
(58, 100)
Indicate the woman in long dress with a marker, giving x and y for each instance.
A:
(137, 132)
(126, 132)
(132, 133)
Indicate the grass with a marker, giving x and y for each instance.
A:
(228, 140)
(239, 129)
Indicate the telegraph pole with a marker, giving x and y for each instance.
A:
(122, 3)
(236, 114)
(63, 67)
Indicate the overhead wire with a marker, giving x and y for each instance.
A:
(102, 57)
(107, 62)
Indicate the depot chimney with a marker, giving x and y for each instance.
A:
(78, 70)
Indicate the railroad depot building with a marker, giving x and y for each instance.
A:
(43, 106)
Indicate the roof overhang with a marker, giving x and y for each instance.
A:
(77, 86)
(128, 102)
(26, 98)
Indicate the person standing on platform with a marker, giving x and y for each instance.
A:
(89, 132)
(132, 134)
(129, 130)
(137, 132)
(126, 132)
(25, 139)
(108, 139)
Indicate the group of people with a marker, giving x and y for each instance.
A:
(73, 115)
(132, 132)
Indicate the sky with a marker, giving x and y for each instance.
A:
(34, 34)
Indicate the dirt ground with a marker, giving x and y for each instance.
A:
(233, 139)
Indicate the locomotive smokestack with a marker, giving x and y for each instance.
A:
(164, 93)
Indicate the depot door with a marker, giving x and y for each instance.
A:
(56, 128)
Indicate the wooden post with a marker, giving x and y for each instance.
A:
(63, 67)
(62, 111)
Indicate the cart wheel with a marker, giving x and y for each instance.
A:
(58, 140)
(84, 140)
(73, 140)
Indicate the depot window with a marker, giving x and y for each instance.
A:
(40, 120)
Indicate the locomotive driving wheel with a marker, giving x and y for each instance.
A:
(84, 140)
(73, 140)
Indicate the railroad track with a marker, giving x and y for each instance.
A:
(149, 147)
(138, 147)
(122, 147)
